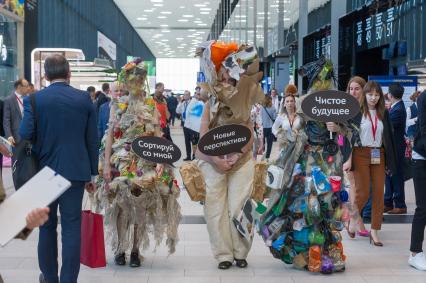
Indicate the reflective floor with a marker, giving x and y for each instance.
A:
(194, 263)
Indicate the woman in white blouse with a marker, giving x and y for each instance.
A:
(373, 154)
(288, 122)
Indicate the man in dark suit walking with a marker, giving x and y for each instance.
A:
(66, 137)
(13, 109)
(394, 193)
(12, 113)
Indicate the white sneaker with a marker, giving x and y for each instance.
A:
(418, 261)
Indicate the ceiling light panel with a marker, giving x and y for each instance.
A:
(150, 17)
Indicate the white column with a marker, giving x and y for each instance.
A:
(265, 29)
(20, 49)
(303, 31)
(338, 9)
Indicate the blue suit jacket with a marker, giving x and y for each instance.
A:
(66, 131)
(398, 116)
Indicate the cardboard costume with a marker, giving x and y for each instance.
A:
(232, 80)
(137, 202)
(301, 224)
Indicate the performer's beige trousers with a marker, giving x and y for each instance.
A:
(225, 197)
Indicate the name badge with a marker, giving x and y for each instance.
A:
(375, 156)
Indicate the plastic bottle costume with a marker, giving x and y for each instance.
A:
(231, 103)
(302, 222)
(137, 201)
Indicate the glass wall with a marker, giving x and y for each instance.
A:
(243, 25)
(260, 23)
(8, 55)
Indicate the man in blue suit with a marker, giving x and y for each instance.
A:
(67, 141)
(394, 193)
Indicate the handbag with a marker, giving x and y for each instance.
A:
(92, 248)
(193, 180)
(259, 181)
(25, 164)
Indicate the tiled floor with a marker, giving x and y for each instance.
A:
(193, 262)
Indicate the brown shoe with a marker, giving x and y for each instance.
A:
(398, 211)
(387, 209)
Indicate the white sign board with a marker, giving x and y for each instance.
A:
(40, 191)
(107, 49)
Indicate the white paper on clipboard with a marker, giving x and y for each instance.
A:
(40, 191)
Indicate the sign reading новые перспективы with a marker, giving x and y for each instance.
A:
(330, 106)
(224, 140)
(156, 149)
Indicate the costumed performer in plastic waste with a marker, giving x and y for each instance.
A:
(232, 75)
(303, 218)
(139, 196)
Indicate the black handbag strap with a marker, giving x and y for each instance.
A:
(33, 106)
(267, 112)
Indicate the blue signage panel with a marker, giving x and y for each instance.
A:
(408, 82)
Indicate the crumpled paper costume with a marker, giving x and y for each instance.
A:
(232, 104)
(137, 202)
(232, 79)
(302, 222)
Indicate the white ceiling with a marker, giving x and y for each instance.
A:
(171, 28)
(174, 28)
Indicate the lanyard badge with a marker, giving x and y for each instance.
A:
(375, 152)
(375, 156)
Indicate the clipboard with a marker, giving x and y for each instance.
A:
(40, 191)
